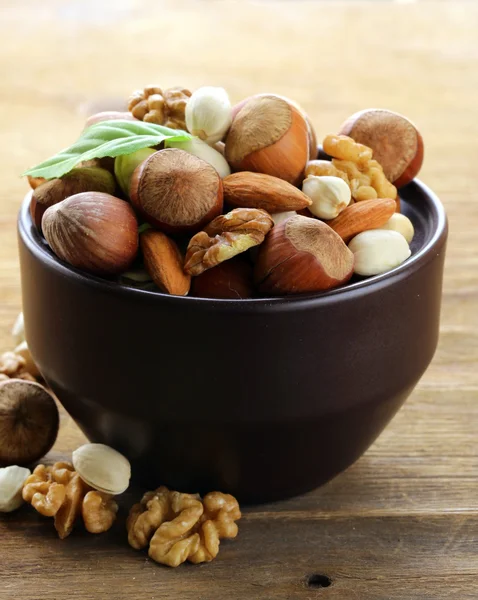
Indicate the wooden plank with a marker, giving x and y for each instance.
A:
(400, 524)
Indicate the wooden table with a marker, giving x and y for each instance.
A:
(402, 523)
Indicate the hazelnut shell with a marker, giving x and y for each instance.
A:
(231, 279)
(269, 135)
(92, 231)
(29, 422)
(302, 255)
(176, 191)
(396, 143)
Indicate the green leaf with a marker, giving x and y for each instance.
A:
(108, 138)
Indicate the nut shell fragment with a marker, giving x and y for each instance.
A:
(102, 468)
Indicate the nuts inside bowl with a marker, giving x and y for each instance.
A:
(179, 194)
(302, 255)
(176, 192)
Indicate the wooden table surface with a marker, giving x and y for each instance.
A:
(402, 523)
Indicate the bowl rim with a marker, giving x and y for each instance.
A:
(38, 247)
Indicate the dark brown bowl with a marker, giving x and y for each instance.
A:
(263, 398)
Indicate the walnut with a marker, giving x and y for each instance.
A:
(98, 511)
(218, 521)
(354, 163)
(59, 492)
(226, 236)
(154, 105)
(14, 366)
(180, 527)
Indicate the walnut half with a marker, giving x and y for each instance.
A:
(59, 492)
(179, 527)
(225, 237)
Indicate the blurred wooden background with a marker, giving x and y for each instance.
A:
(403, 522)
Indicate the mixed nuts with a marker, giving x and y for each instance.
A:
(184, 182)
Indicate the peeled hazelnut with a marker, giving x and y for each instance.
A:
(269, 135)
(92, 231)
(176, 191)
(28, 422)
(401, 224)
(103, 468)
(208, 153)
(83, 179)
(396, 143)
(329, 195)
(231, 279)
(12, 479)
(378, 251)
(302, 255)
(164, 263)
(108, 115)
(208, 114)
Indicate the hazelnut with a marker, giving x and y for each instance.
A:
(396, 143)
(401, 224)
(28, 422)
(231, 279)
(83, 179)
(329, 195)
(378, 250)
(12, 479)
(92, 231)
(302, 255)
(176, 191)
(269, 135)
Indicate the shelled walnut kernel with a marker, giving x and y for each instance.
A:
(353, 162)
(179, 527)
(154, 105)
(59, 492)
(14, 366)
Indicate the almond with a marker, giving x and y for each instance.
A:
(257, 190)
(361, 216)
(164, 263)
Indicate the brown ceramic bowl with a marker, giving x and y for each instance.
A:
(263, 398)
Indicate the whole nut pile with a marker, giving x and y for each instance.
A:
(232, 202)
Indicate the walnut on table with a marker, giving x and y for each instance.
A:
(179, 527)
(353, 162)
(59, 492)
(14, 366)
(153, 105)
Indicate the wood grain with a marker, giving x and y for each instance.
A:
(402, 523)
